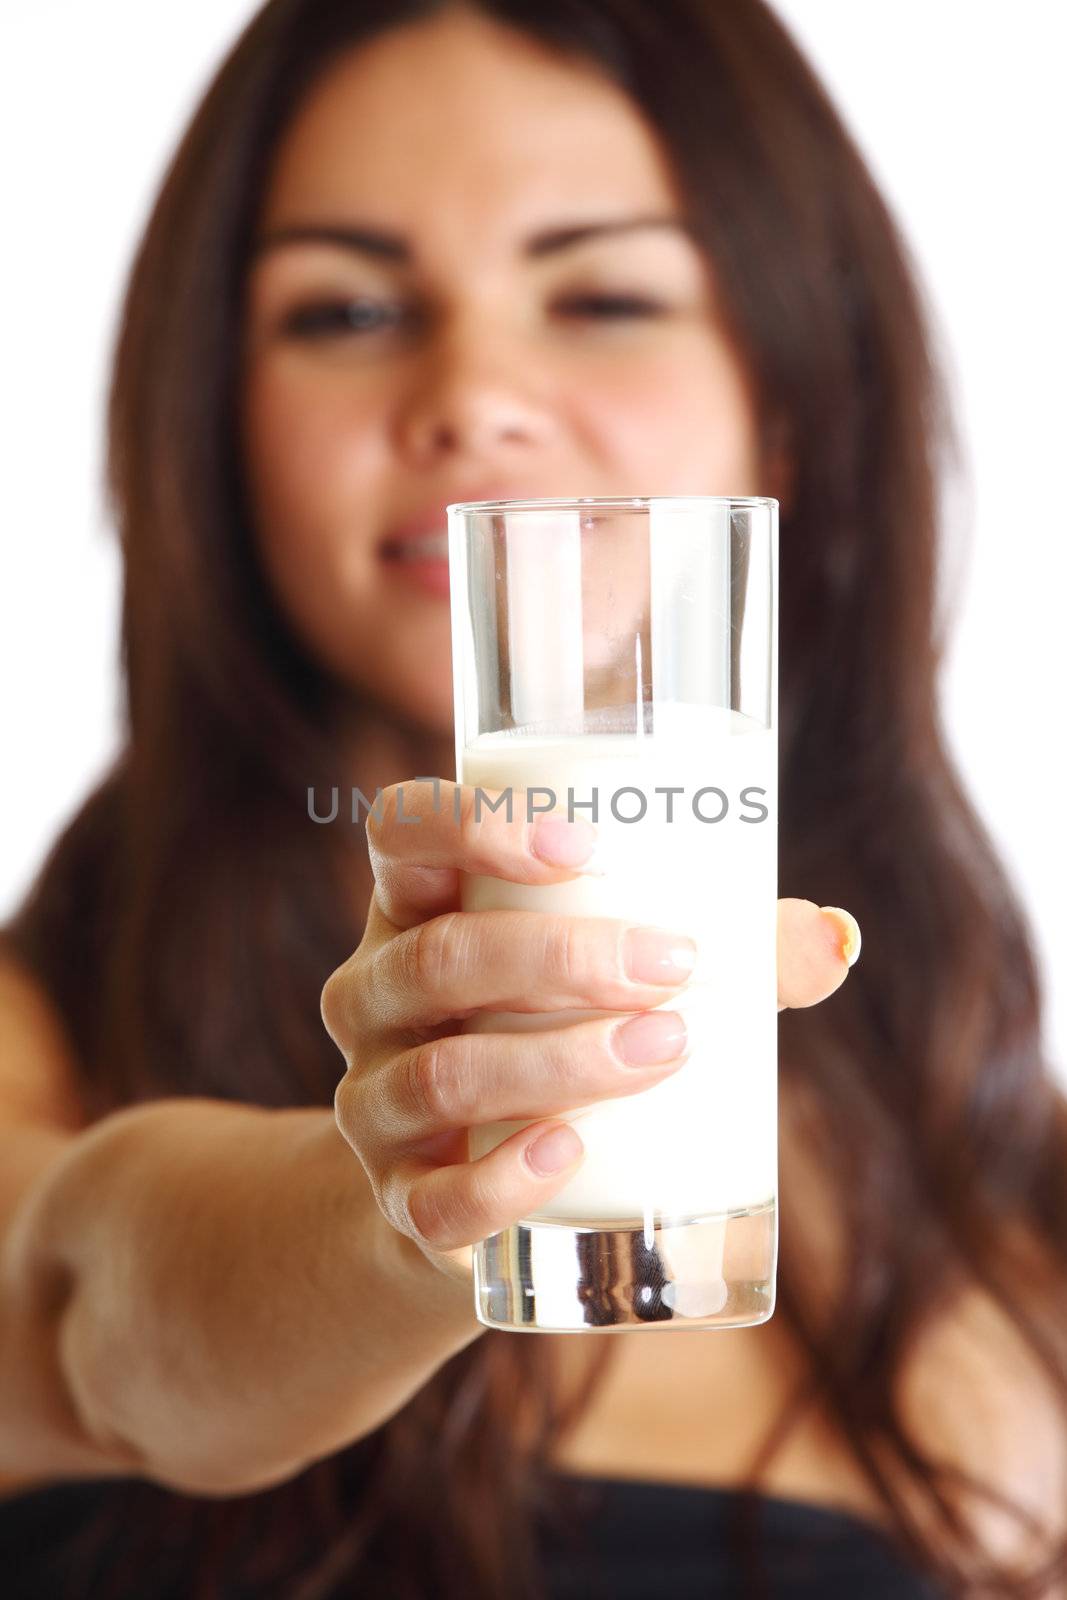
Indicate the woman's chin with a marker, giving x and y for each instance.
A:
(423, 711)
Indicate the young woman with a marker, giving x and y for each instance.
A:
(410, 253)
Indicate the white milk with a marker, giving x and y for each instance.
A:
(703, 1141)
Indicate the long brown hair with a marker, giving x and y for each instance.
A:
(186, 919)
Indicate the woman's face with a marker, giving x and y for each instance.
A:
(453, 300)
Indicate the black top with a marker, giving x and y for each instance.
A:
(611, 1540)
(640, 1541)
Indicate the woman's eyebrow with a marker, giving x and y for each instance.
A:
(393, 247)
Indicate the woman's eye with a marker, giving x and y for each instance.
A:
(335, 319)
(330, 318)
(612, 305)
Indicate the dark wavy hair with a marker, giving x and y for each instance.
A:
(186, 919)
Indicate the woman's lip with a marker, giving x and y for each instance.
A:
(395, 560)
(395, 549)
(433, 516)
(431, 576)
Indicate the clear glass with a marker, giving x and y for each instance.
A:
(617, 659)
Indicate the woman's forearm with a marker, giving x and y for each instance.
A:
(238, 1307)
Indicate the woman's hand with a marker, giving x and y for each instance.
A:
(415, 1084)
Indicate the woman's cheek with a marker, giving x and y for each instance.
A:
(676, 426)
(304, 442)
(313, 507)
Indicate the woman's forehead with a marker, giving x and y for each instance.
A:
(464, 116)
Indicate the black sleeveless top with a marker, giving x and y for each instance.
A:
(615, 1540)
(630, 1540)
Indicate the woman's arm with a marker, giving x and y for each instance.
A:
(217, 1295)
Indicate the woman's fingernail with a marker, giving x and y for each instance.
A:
(563, 843)
(650, 1038)
(850, 949)
(558, 1148)
(653, 955)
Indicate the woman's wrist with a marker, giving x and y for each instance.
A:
(413, 1279)
(239, 1307)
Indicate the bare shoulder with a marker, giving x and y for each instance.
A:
(976, 1394)
(40, 1082)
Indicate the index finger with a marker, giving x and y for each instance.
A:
(425, 833)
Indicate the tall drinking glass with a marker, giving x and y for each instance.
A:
(617, 659)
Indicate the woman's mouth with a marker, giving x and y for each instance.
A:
(428, 547)
(415, 551)
(421, 559)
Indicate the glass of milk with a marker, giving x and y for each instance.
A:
(616, 659)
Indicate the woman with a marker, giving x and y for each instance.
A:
(380, 277)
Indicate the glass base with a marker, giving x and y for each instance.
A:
(562, 1277)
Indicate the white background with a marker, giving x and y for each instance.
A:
(959, 107)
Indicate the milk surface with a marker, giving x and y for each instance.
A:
(704, 1141)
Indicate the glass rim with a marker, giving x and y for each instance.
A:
(613, 502)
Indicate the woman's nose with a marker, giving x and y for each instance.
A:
(476, 398)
